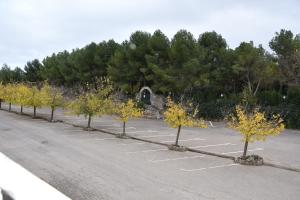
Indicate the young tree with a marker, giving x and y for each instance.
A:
(255, 126)
(177, 117)
(91, 104)
(35, 99)
(9, 94)
(126, 111)
(2, 90)
(23, 95)
(51, 97)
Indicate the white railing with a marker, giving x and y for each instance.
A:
(22, 185)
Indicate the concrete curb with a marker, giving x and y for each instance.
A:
(211, 154)
(281, 167)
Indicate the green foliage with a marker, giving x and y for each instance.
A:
(285, 43)
(33, 71)
(270, 97)
(293, 96)
(186, 68)
(287, 48)
(8, 75)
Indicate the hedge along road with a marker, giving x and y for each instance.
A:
(94, 165)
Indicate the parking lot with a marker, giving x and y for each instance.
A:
(95, 165)
(217, 138)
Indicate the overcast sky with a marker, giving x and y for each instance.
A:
(37, 28)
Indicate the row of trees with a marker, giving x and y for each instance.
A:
(31, 96)
(89, 104)
(252, 125)
(180, 65)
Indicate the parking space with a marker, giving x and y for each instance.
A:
(95, 165)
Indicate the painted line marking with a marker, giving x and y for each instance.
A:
(205, 168)
(174, 159)
(120, 128)
(193, 139)
(146, 151)
(114, 138)
(234, 152)
(114, 125)
(133, 143)
(147, 131)
(212, 145)
(152, 136)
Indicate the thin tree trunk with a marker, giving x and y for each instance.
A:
(258, 84)
(52, 114)
(34, 111)
(21, 109)
(0, 103)
(124, 124)
(89, 121)
(245, 148)
(177, 137)
(9, 107)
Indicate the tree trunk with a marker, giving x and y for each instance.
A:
(0, 103)
(52, 114)
(89, 121)
(21, 109)
(177, 137)
(124, 124)
(257, 87)
(34, 111)
(9, 107)
(245, 148)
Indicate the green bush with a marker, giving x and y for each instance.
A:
(293, 96)
(289, 113)
(270, 97)
(217, 110)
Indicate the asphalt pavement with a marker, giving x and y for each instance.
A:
(95, 165)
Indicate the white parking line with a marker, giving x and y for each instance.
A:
(112, 138)
(152, 136)
(193, 139)
(113, 125)
(174, 159)
(233, 152)
(133, 143)
(146, 131)
(205, 168)
(212, 145)
(120, 128)
(146, 151)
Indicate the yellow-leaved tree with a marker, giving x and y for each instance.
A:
(2, 92)
(9, 94)
(51, 97)
(177, 117)
(126, 111)
(254, 126)
(22, 95)
(35, 99)
(91, 104)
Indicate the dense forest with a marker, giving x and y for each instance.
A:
(204, 70)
